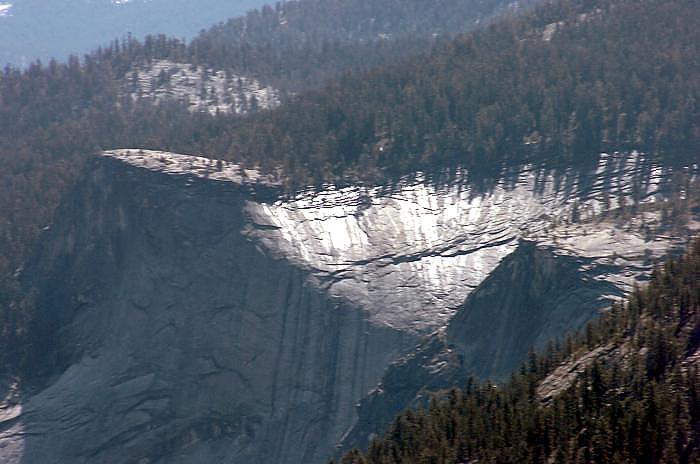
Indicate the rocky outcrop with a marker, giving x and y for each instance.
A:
(201, 89)
(531, 298)
(179, 340)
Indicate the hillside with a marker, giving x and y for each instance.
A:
(56, 113)
(627, 389)
(561, 84)
(299, 45)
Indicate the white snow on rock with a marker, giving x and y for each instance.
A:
(5, 9)
(188, 165)
(12, 432)
(550, 30)
(201, 88)
(412, 253)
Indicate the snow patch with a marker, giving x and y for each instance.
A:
(582, 18)
(12, 433)
(550, 30)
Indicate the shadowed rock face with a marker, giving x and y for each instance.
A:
(181, 340)
(191, 314)
(533, 297)
(408, 383)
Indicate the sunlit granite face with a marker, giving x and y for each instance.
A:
(411, 254)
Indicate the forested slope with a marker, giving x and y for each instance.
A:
(626, 390)
(560, 84)
(298, 45)
(36, 29)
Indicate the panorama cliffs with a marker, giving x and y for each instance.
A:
(193, 311)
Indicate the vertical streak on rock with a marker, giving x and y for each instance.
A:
(280, 347)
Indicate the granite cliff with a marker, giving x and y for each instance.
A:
(194, 313)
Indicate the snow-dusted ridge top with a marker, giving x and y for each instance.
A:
(189, 165)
